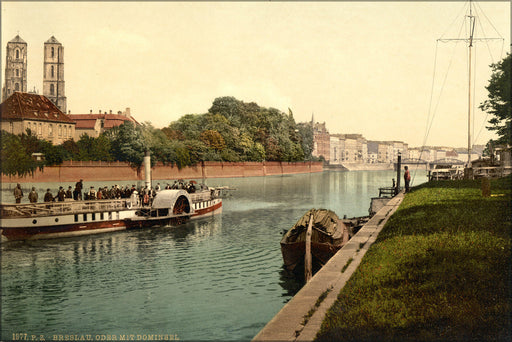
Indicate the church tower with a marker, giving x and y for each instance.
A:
(15, 67)
(53, 73)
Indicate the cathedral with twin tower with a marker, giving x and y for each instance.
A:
(53, 72)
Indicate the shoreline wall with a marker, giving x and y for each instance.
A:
(72, 171)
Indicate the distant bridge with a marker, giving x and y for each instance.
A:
(411, 161)
(448, 161)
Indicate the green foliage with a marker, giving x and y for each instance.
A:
(90, 148)
(213, 139)
(15, 159)
(499, 103)
(231, 131)
(127, 144)
(439, 270)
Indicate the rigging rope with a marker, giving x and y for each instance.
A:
(431, 114)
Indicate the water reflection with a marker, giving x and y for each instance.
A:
(215, 279)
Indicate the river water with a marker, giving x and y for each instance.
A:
(215, 279)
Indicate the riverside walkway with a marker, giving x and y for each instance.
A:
(300, 319)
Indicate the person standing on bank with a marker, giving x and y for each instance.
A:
(407, 178)
(18, 193)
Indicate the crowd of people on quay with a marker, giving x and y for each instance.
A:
(142, 194)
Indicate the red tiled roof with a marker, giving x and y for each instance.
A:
(85, 121)
(84, 124)
(25, 106)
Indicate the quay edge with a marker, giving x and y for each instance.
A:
(292, 323)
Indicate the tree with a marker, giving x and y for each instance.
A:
(499, 100)
(127, 144)
(14, 158)
(213, 139)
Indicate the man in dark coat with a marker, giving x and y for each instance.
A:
(69, 193)
(33, 196)
(48, 197)
(78, 189)
(18, 193)
(61, 195)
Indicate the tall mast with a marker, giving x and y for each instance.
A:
(470, 46)
(470, 40)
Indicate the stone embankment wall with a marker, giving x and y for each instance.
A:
(72, 171)
(361, 167)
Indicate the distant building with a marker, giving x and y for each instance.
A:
(95, 124)
(22, 111)
(321, 141)
(15, 79)
(53, 73)
(15, 67)
(356, 149)
(337, 149)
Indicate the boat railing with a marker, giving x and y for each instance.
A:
(200, 196)
(63, 208)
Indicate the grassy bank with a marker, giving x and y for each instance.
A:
(439, 270)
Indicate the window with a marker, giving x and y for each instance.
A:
(17, 72)
(52, 89)
(50, 130)
(52, 72)
(60, 130)
(17, 53)
(40, 131)
(85, 217)
(16, 86)
(53, 52)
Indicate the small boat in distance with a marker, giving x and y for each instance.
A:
(329, 234)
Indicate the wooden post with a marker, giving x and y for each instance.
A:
(398, 171)
(308, 260)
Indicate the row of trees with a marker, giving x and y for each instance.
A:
(231, 131)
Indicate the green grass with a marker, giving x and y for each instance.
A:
(439, 271)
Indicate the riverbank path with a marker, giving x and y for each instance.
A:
(300, 319)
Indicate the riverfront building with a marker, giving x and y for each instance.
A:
(321, 141)
(95, 124)
(22, 111)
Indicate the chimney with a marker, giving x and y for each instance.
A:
(119, 112)
(90, 112)
(111, 111)
(99, 111)
(69, 111)
(127, 112)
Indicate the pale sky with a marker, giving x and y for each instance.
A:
(362, 67)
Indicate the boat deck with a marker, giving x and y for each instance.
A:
(60, 208)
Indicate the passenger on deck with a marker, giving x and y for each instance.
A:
(69, 193)
(61, 194)
(18, 193)
(48, 197)
(78, 190)
(33, 196)
(92, 193)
